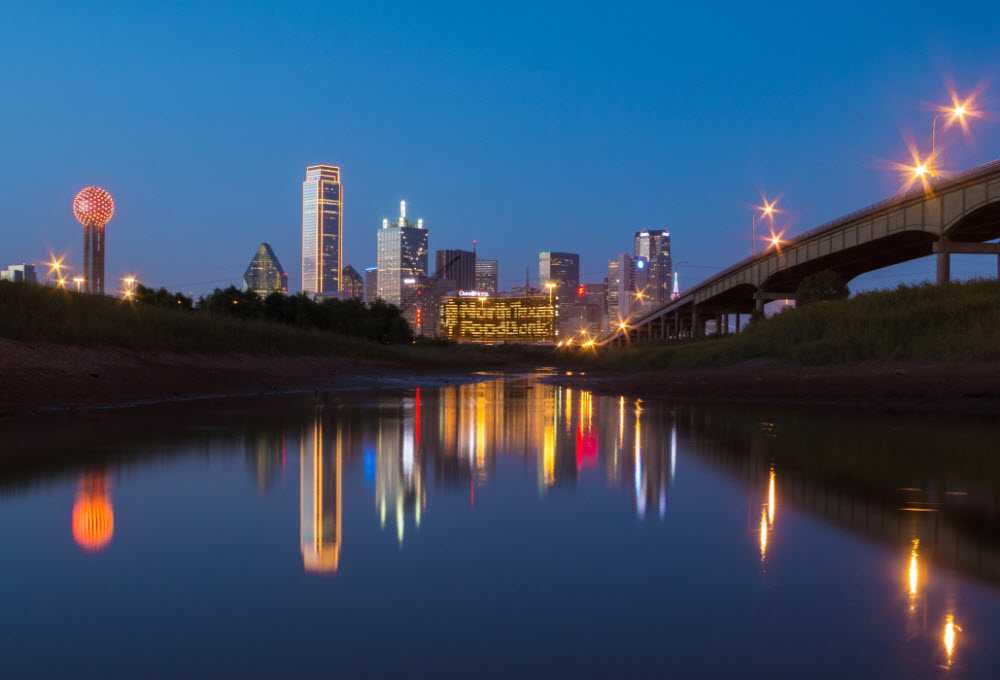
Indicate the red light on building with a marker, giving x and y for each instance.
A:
(581, 290)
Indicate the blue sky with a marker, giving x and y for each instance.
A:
(526, 126)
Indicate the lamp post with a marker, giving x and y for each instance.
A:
(78, 280)
(768, 210)
(956, 112)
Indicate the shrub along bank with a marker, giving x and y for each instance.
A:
(953, 322)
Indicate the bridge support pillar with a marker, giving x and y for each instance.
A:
(943, 268)
(695, 323)
(738, 323)
(718, 324)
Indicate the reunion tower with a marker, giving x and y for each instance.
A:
(93, 207)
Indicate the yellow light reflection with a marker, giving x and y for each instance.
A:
(914, 569)
(950, 635)
(770, 500)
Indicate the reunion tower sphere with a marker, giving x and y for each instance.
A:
(93, 205)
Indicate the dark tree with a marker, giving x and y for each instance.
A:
(822, 286)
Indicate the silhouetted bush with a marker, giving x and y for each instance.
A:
(820, 287)
(162, 298)
(379, 321)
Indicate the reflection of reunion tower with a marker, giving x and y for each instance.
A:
(93, 518)
(93, 207)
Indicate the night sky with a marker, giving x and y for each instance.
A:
(527, 127)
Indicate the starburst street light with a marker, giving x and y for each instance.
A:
(768, 210)
(78, 280)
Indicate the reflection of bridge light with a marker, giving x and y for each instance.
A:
(949, 636)
(770, 499)
(621, 422)
(914, 569)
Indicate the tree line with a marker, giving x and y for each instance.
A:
(379, 321)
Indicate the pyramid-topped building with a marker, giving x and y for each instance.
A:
(265, 275)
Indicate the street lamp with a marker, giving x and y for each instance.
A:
(78, 280)
(768, 210)
(957, 112)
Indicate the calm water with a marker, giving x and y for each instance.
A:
(505, 528)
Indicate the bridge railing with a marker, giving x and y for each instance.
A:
(901, 197)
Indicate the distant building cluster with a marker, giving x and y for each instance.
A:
(461, 298)
(19, 273)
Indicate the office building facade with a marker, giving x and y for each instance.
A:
(561, 269)
(498, 319)
(322, 230)
(19, 273)
(402, 256)
(654, 246)
(265, 275)
(487, 280)
(371, 284)
(458, 266)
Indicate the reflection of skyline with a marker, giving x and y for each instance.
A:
(320, 496)
(399, 473)
(93, 516)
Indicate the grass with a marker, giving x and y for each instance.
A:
(34, 313)
(954, 322)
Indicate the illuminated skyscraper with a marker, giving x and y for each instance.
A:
(402, 256)
(486, 276)
(319, 498)
(265, 275)
(322, 230)
(654, 246)
(562, 269)
(621, 286)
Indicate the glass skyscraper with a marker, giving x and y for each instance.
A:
(264, 275)
(654, 246)
(322, 230)
(486, 276)
(402, 256)
(562, 269)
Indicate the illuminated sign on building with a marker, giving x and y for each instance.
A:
(498, 319)
(473, 293)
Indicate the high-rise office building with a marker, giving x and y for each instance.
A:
(264, 275)
(486, 276)
(621, 286)
(654, 246)
(352, 285)
(458, 266)
(402, 256)
(371, 284)
(561, 269)
(322, 230)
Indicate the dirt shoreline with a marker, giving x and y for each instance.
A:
(920, 387)
(39, 377)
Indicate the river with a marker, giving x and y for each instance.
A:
(499, 528)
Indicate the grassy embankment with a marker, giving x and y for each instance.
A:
(955, 322)
(41, 314)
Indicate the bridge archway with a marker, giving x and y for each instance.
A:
(980, 224)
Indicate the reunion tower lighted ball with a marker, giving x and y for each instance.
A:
(93, 207)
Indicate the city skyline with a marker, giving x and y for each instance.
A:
(734, 125)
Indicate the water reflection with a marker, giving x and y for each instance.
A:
(93, 516)
(320, 495)
(400, 453)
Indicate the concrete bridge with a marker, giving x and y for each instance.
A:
(955, 215)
